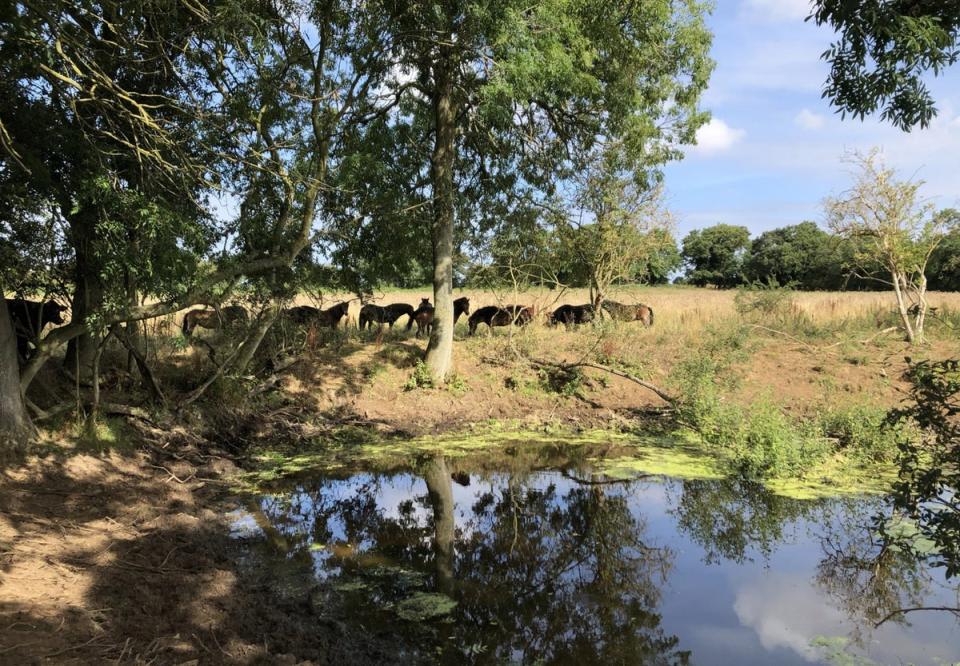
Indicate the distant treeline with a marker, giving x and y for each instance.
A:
(803, 256)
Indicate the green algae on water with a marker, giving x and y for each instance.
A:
(613, 454)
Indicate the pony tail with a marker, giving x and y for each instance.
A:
(651, 315)
(185, 327)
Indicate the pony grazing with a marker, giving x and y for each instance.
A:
(228, 317)
(306, 314)
(624, 312)
(573, 314)
(29, 318)
(505, 316)
(374, 314)
(424, 314)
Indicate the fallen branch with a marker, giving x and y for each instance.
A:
(666, 397)
(270, 381)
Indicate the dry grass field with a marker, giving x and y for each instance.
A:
(676, 307)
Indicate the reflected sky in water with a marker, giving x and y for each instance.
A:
(562, 567)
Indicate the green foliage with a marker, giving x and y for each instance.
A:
(930, 466)
(420, 378)
(944, 267)
(715, 255)
(568, 382)
(774, 307)
(456, 384)
(864, 431)
(882, 53)
(891, 228)
(802, 256)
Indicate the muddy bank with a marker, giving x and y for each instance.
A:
(128, 559)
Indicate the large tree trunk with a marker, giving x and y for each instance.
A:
(88, 290)
(440, 491)
(440, 348)
(15, 427)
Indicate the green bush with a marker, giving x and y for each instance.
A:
(770, 444)
(862, 431)
(419, 378)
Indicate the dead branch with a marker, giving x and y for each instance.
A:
(663, 395)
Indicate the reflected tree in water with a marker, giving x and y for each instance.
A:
(732, 517)
(541, 574)
(866, 575)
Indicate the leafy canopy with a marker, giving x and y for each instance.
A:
(883, 50)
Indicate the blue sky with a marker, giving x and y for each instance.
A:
(773, 149)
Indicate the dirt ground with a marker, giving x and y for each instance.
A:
(128, 560)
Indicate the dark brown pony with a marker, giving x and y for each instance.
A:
(29, 318)
(573, 314)
(505, 316)
(374, 314)
(306, 314)
(424, 314)
(224, 318)
(624, 312)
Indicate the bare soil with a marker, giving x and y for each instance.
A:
(114, 559)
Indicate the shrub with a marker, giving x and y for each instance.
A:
(420, 378)
(863, 431)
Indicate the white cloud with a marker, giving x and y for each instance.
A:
(807, 119)
(716, 137)
(776, 10)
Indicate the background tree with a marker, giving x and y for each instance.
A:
(883, 51)
(889, 226)
(626, 226)
(715, 255)
(944, 266)
(802, 255)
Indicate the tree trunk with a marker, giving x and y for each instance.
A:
(88, 290)
(15, 427)
(440, 490)
(440, 348)
(902, 308)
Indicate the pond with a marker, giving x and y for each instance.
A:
(509, 561)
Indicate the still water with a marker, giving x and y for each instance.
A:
(567, 566)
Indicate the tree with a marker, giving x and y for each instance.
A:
(525, 90)
(626, 228)
(715, 255)
(802, 255)
(930, 467)
(882, 52)
(15, 426)
(253, 102)
(944, 268)
(663, 261)
(889, 226)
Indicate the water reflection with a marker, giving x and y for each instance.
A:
(568, 567)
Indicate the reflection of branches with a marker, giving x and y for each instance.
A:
(902, 611)
(870, 579)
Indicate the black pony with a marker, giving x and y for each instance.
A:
(29, 318)
(424, 314)
(374, 314)
(573, 314)
(505, 316)
(306, 314)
